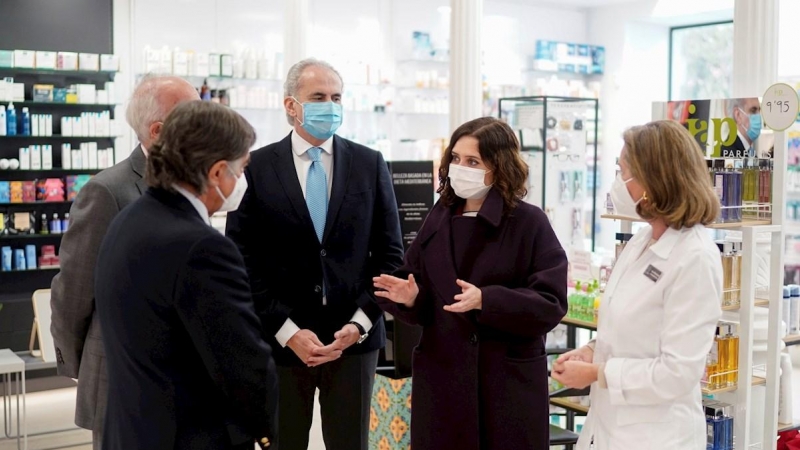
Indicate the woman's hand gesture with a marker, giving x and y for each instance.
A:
(396, 289)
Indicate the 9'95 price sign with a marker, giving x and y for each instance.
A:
(779, 106)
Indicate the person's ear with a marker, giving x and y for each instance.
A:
(155, 130)
(291, 104)
(216, 172)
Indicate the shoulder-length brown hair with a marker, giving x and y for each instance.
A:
(670, 166)
(499, 149)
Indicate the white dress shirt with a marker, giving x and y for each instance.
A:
(198, 205)
(302, 162)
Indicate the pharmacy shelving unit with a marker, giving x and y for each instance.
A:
(767, 377)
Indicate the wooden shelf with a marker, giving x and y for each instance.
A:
(759, 302)
(757, 381)
(788, 426)
(792, 339)
(579, 323)
(572, 406)
(722, 226)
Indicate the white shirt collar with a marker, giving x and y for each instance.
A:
(198, 205)
(300, 145)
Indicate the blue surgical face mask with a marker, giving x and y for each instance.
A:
(321, 119)
(755, 126)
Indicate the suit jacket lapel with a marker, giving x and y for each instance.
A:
(342, 157)
(139, 165)
(283, 163)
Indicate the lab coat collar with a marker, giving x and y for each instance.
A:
(663, 247)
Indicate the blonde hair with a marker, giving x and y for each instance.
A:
(670, 166)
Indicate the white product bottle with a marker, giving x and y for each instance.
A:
(785, 413)
(2, 120)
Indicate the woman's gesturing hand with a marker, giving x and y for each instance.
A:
(396, 289)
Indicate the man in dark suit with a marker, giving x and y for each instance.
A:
(75, 326)
(187, 366)
(319, 219)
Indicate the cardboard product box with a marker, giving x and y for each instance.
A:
(180, 63)
(89, 62)
(6, 58)
(18, 92)
(60, 95)
(201, 65)
(16, 191)
(226, 65)
(214, 64)
(5, 192)
(28, 191)
(43, 92)
(46, 60)
(109, 63)
(67, 61)
(25, 59)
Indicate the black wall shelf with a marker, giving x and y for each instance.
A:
(34, 204)
(64, 73)
(64, 105)
(57, 137)
(24, 237)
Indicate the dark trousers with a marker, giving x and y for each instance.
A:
(345, 393)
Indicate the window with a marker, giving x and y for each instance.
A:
(701, 61)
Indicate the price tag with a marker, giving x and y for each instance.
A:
(779, 106)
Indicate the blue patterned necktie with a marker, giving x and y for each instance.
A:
(317, 191)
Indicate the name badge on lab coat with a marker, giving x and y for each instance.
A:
(652, 273)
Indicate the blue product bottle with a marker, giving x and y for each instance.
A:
(25, 126)
(11, 121)
(20, 257)
(55, 225)
(65, 223)
(30, 253)
(6, 259)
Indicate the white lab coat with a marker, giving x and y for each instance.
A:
(653, 337)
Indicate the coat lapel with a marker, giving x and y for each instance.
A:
(283, 163)
(438, 253)
(139, 166)
(342, 157)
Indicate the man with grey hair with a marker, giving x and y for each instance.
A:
(75, 326)
(746, 112)
(318, 221)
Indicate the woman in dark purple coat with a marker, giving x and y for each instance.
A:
(486, 278)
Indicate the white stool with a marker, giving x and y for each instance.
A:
(12, 366)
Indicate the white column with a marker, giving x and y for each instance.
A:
(295, 35)
(755, 46)
(466, 18)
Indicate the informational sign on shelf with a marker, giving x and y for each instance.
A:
(779, 106)
(580, 265)
(413, 189)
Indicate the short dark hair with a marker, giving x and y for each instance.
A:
(194, 137)
(499, 149)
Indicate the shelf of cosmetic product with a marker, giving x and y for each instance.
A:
(55, 171)
(38, 269)
(68, 105)
(721, 225)
(735, 307)
(579, 323)
(66, 73)
(756, 381)
(15, 237)
(569, 405)
(35, 203)
(58, 136)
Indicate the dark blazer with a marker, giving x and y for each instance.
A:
(187, 367)
(75, 325)
(480, 379)
(286, 261)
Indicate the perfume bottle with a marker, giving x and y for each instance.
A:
(727, 272)
(719, 423)
(732, 357)
(44, 227)
(736, 274)
(713, 365)
(723, 362)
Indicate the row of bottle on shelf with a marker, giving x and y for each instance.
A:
(42, 190)
(744, 187)
(584, 302)
(40, 157)
(247, 64)
(25, 124)
(31, 223)
(722, 362)
(48, 93)
(20, 259)
(791, 310)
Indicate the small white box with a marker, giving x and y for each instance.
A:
(102, 159)
(87, 93)
(25, 59)
(89, 62)
(18, 92)
(102, 97)
(91, 118)
(47, 157)
(76, 160)
(76, 126)
(5, 91)
(48, 127)
(34, 125)
(36, 157)
(180, 63)
(93, 155)
(226, 69)
(214, 64)
(111, 89)
(66, 156)
(111, 156)
(85, 155)
(84, 126)
(25, 158)
(109, 63)
(66, 126)
(67, 61)
(201, 65)
(46, 60)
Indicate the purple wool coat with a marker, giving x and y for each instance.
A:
(480, 378)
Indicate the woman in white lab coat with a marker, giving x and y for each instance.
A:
(661, 305)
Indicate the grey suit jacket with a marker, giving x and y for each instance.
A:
(75, 326)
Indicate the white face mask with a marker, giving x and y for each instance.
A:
(231, 203)
(468, 183)
(624, 205)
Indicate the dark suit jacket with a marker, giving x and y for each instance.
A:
(75, 326)
(480, 378)
(187, 367)
(286, 261)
